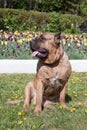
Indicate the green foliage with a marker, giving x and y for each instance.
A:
(48, 6)
(53, 25)
(18, 4)
(83, 7)
(11, 19)
(69, 23)
(22, 20)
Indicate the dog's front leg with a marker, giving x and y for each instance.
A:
(62, 96)
(39, 97)
(28, 93)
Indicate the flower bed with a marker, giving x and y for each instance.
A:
(15, 45)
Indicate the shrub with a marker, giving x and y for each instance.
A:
(83, 8)
(69, 23)
(11, 19)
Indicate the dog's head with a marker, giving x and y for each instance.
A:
(47, 47)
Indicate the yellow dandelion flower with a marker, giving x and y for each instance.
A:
(75, 95)
(8, 129)
(25, 118)
(19, 113)
(60, 107)
(80, 103)
(8, 99)
(86, 111)
(85, 94)
(68, 89)
(74, 92)
(33, 127)
(73, 109)
(73, 82)
(20, 122)
(77, 78)
(22, 97)
(0, 107)
(18, 104)
(16, 96)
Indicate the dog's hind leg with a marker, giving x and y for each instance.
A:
(28, 95)
(62, 96)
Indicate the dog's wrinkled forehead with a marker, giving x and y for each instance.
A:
(47, 36)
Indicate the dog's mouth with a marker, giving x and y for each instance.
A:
(40, 53)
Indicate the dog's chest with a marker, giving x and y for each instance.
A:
(51, 77)
(54, 82)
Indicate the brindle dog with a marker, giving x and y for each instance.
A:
(53, 71)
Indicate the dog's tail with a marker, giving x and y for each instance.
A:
(12, 102)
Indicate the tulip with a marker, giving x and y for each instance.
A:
(20, 41)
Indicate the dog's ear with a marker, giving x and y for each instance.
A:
(57, 38)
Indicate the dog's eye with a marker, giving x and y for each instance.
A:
(42, 38)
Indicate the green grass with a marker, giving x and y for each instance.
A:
(13, 118)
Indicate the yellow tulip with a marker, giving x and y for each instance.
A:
(85, 43)
(68, 44)
(78, 44)
(6, 36)
(5, 42)
(2, 43)
(20, 41)
(64, 41)
(16, 32)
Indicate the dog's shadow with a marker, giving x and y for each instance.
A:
(68, 98)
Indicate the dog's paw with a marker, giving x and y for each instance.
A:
(37, 111)
(25, 107)
(64, 105)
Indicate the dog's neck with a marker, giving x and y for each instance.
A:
(54, 63)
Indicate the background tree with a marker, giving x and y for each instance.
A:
(78, 7)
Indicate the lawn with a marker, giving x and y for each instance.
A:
(13, 118)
